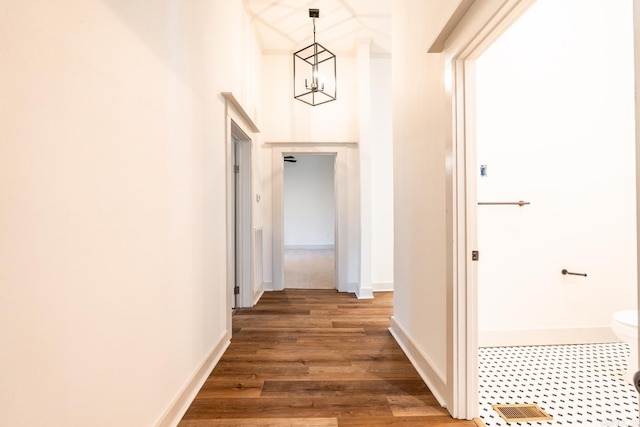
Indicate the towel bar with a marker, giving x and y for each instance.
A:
(519, 203)
(564, 271)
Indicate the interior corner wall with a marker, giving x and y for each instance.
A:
(556, 129)
(112, 183)
(422, 134)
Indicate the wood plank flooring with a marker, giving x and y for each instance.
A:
(315, 358)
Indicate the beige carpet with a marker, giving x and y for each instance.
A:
(309, 269)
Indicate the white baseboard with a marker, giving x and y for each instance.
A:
(267, 286)
(257, 296)
(352, 288)
(309, 247)
(181, 403)
(435, 380)
(382, 287)
(364, 293)
(518, 337)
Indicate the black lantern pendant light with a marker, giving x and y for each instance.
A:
(314, 71)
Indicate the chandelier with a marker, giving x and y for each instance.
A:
(314, 71)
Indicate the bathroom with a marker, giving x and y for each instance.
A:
(555, 130)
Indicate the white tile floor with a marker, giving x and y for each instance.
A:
(576, 384)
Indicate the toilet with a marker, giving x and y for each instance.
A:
(625, 326)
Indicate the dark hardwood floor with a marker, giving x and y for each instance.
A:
(315, 358)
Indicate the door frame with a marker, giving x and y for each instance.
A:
(242, 221)
(335, 212)
(237, 118)
(482, 24)
(341, 206)
(468, 44)
(465, 332)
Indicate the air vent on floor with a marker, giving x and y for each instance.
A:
(521, 412)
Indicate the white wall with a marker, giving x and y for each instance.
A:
(381, 175)
(286, 119)
(264, 158)
(555, 126)
(112, 187)
(421, 134)
(309, 201)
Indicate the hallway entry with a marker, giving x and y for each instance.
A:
(326, 223)
(309, 221)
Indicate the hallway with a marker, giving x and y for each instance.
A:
(315, 358)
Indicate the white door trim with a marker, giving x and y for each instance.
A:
(465, 389)
(482, 24)
(243, 221)
(236, 116)
(341, 242)
(636, 52)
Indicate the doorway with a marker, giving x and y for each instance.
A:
(346, 170)
(309, 221)
(538, 144)
(241, 217)
(545, 153)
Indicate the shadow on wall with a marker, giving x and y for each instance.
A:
(182, 38)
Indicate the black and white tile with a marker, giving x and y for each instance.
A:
(576, 384)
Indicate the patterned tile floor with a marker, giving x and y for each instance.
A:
(576, 384)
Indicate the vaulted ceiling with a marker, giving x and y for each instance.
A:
(284, 26)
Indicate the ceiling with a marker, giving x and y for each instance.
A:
(284, 26)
